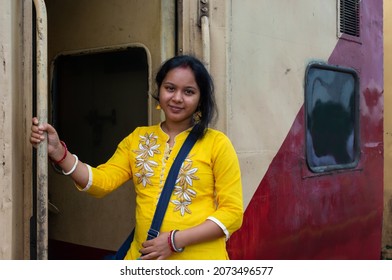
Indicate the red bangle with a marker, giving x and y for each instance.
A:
(65, 153)
(169, 240)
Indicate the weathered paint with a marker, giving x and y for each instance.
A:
(12, 134)
(295, 214)
(271, 46)
(5, 139)
(259, 52)
(42, 114)
(387, 224)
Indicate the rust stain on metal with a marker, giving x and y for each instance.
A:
(3, 58)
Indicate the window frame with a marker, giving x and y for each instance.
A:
(308, 94)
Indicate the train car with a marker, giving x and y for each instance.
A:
(299, 89)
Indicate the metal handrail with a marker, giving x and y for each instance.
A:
(42, 114)
(205, 35)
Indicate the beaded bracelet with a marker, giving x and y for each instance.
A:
(73, 167)
(65, 153)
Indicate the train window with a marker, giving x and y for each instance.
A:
(98, 99)
(332, 117)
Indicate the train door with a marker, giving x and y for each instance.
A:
(103, 55)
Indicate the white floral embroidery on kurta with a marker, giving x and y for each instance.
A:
(182, 189)
(145, 163)
(182, 206)
(148, 147)
(144, 177)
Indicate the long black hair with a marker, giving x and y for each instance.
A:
(207, 105)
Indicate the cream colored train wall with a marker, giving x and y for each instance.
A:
(387, 226)
(267, 74)
(15, 153)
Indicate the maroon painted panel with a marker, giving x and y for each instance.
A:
(297, 214)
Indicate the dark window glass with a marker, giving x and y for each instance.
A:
(332, 124)
(98, 99)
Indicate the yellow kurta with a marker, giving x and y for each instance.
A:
(208, 186)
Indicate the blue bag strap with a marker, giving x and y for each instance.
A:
(164, 199)
(122, 251)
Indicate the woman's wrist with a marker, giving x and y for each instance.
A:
(172, 242)
(60, 154)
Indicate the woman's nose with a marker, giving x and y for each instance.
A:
(177, 96)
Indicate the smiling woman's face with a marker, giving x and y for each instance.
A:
(179, 96)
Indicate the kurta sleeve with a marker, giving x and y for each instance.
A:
(107, 177)
(228, 186)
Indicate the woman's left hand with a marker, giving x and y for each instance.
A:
(157, 248)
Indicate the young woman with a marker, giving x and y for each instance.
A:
(206, 206)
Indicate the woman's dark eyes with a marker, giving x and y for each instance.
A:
(171, 89)
(186, 91)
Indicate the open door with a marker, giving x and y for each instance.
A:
(104, 55)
